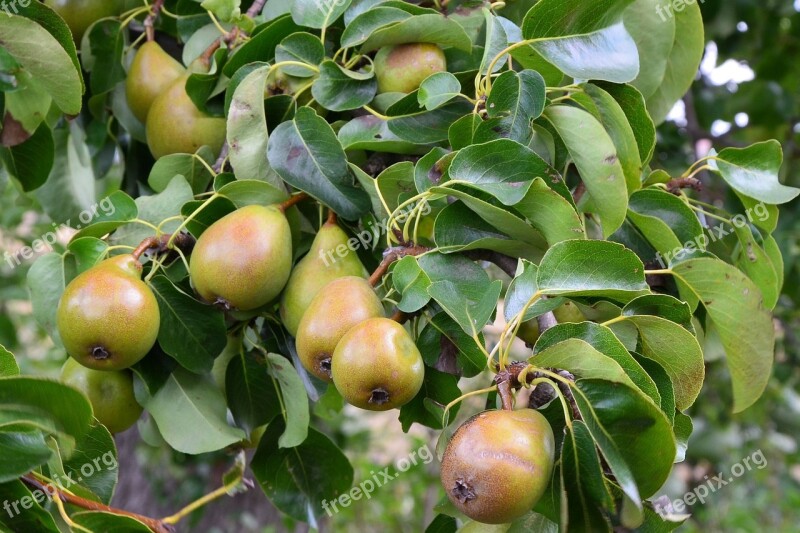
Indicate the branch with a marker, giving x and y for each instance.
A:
(223, 155)
(390, 256)
(546, 321)
(160, 245)
(155, 525)
(256, 8)
(674, 186)
(506, 263)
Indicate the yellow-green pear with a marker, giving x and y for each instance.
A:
(402, 68)
(175, 125)
(80, 14)
(107, 317)
(377, 366)
(338, 306)
(110, 393)
(328, 259)
(152, 72)
(244, 259)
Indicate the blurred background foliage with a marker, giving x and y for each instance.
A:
(748, 90)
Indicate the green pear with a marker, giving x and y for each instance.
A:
(80, 14)
(244, 259)
(569, 312)
(174, 125)
(328, 259)
(110, 393)
(402, 68)
(377, 366)
(338, 306)
(152, 72)
(107, 317)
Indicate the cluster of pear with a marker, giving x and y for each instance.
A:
(156, 94)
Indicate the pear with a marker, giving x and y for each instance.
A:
(107, 317)
(402, 68)
(377, 366)
(152, 72)
(110, 393)
(338, 306)
(174, 125)
(80, 14)
(498, 464)
(320, 266)
(244, 259)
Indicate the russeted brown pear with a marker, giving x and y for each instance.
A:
(244, 259)
(108, 318)
(152, 72)
(110, 393)
(498, 464)
(338, 306)
(321, 265)
(175, 125)
(377, 366)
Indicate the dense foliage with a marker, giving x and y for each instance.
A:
(533, 151)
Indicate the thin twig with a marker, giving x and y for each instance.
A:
(157, 526)
(390, 256)
(296, 199)
(256, 8)
(223, 155)
(150, 20)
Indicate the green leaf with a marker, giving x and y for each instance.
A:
(22, 451)
(519, 98)
(411, 123)
(427, 28)
(503, 168)
(654, 35)
(248, 135)
(677, 351)
(49, 405)
(462, 132)
(190, 166)
(684, 59)
(495, 42)
(8, 364)
(190, 413)
(603, 341)
(87, 251)
(635, 109)
(664, 219)
(371, 133)
(298, 480)
(472, 312)
(300, 47)
(582, 360)
(191, 332)
(307, 154)
(262, 44)
(318, 14)
(107, 521)
(426, 408)
(661, 305)
(33, 519)
(252, 395)
(550, 213)
(46, 280)
(253, 192)
(753, 171)
(366, 23)
(611, 115)
(107, 42)
(97, 448)
(224, 10)
(115, 210)
(32, 161)
(592, 268)
(438, 89)
(753, 260)
(43, 56)
(442, 337)
(735, 307)
(639, 430)
(339, 89)
(595, 156)
(295, 401)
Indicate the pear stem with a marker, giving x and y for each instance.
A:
(400, 317)
(256, 8)
(145, 245)
(296, 199)
(390, 256)
(157, 526)
(331, 217)
(150, 21)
